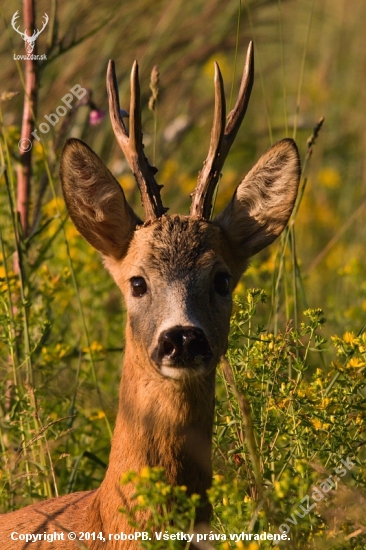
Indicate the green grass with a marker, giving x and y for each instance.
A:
(61, 321)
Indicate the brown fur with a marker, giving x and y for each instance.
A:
(162, 420)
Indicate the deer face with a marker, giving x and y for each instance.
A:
(177, 288)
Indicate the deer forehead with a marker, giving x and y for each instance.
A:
(171, 248)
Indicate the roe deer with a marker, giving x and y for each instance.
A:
(177, 274)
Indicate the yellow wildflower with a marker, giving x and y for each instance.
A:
(349, 337)
(145, 472)
(355, 363)
(319, 425)
(324, 403)
(278, 489)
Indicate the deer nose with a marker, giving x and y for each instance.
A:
(183, 345)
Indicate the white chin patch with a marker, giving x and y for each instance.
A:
(179, 373)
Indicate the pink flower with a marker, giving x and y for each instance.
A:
(96, 116)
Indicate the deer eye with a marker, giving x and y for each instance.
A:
(222, 283)
(138, 286)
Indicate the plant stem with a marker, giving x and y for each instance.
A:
(29, 111)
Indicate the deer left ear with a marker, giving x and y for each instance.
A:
(95, 201)
(262, 203)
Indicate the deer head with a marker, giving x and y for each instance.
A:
(29, 40)
(177, 273)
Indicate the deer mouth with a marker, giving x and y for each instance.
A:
(183, 351)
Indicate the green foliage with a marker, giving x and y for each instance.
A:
(172, 509)
(302, 417)
(46, 391)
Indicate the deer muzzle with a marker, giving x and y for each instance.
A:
(183, 347)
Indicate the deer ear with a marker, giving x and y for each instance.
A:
(95, 200)
(262, 203)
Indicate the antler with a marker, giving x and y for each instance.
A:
(222, 137)
(131, 145)
(13, 20)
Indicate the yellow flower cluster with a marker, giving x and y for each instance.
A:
(349, 346)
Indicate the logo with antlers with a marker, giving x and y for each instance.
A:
(29, 40)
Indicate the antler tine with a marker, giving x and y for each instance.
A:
(208, 176)
(135, 109)
(131, 145)
(118, 126)
(222, 137)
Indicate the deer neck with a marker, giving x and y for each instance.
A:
(160, 422)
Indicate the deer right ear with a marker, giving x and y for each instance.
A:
(95, 200)
(262, 204)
